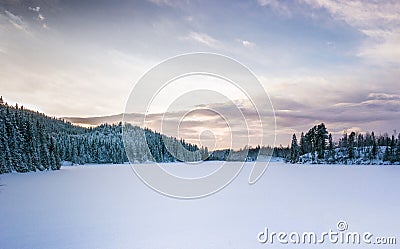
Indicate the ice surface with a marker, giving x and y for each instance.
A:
(107, 206)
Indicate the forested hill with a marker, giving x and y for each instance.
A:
(31, 141)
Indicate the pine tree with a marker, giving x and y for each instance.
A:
(392, 149)
(331, 150)
(374, 150)
(52, 154)
(303, 146)
(397, 151)
(43, 149)
(386, 156)
(351, 145)
(321, 137)
(4, 150)
(360, 145)
(310, 139)
(294, 150)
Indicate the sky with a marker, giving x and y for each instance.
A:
(332, 61)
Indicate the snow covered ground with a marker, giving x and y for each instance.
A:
(107, 206)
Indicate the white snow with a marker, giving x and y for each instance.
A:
(107, 206)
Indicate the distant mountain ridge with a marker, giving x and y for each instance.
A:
(95, 121)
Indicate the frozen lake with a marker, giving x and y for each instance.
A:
(107, 206)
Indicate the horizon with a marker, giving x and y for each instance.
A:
(329, 61)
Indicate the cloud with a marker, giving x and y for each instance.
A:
(189, 18)
(360, 13)
(379, 21)
(16, 21)
(304, 100)
(267, 2)
(41, 17)
(382, 45)
(375, 111)
(23, 21)
(383, 96)
(171, 3)
(278, 6)
(36, 9)
(247, 44)
(203, 39)
(160, 2)
(379, 112)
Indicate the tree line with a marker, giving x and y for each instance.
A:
(248, 154)
(317, 146)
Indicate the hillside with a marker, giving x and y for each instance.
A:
(31, 141)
